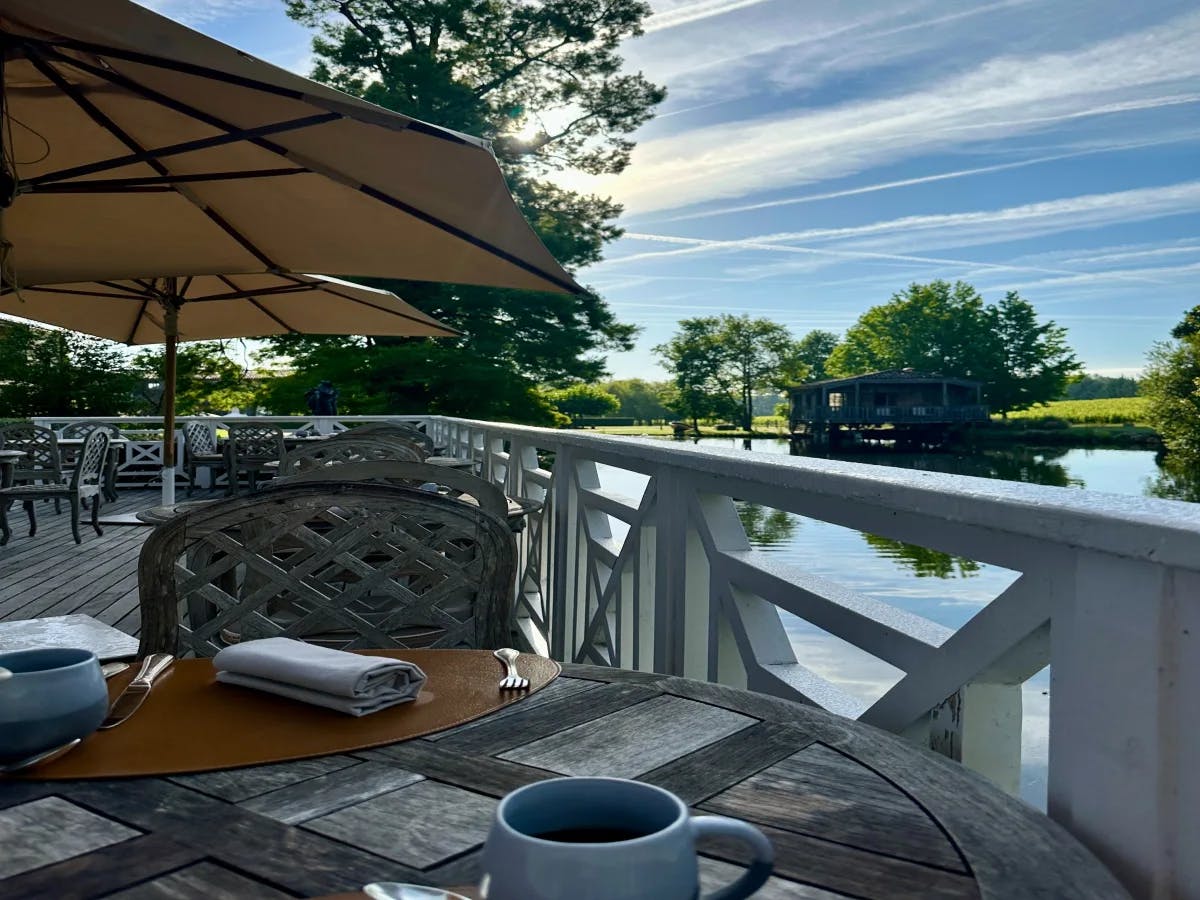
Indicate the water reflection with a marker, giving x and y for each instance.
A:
(1174, 481)
(1027, 464)
(921, 561)
(766, 527)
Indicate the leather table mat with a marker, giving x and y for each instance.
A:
(192, 723)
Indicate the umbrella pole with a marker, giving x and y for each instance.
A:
(171, 327)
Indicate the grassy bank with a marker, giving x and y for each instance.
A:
(1116, 411)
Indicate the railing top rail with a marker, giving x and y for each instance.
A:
(1159, 531)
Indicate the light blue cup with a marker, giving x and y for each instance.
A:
(656, 862)
(47, 698)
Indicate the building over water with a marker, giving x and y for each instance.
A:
(896, 404)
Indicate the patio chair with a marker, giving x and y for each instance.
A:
(201, 452)
(395, 429)
(255, 450)
(42, 462)
(453, 483)
(341, 450)
(87, 482)
(348, 565)
(77, 430)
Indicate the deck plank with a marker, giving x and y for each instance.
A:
(50, 575)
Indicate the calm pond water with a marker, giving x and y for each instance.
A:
(948, 590)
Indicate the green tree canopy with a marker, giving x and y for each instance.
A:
(543, 81)
(584, 400)
(1101, 387)
(948, 330)
(814, 350)
(62, 373)
(643, 400)
(1172, 384)
(720, 362)
(207, 380)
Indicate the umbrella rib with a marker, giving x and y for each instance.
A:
(165, 183)
(137, 320)
(374, 193)
(97, 116)
(383, 309)
(120, 162)
(239, 80)
(229, 284)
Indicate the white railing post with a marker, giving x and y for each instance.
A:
(1125, 720)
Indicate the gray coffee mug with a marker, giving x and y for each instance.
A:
(48, 697)
(607, 839)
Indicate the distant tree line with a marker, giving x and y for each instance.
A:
(1101, 387)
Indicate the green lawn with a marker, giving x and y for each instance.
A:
(1117, 411)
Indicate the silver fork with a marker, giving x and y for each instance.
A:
(511, 681)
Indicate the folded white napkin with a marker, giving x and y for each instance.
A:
(347, 682)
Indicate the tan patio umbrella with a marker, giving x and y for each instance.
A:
(204, 307)
(133, 146)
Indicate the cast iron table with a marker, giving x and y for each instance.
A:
(852, 811)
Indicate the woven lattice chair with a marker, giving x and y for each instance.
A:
(395, 429)
(255, 450)
(42, 462)
(76, 430)
(86, 483)
(201, 452)
(348, 565)
(453, 483)
(340, 450)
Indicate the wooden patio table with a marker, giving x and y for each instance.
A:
(851, 810)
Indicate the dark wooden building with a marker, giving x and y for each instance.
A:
(900, 404)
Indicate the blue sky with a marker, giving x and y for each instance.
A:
(813, 158)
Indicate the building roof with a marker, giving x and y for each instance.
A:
(888, 376)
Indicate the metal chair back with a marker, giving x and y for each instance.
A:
(40, 446)
(353, 565)
(338, 451)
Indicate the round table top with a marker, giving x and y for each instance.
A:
(850, 809)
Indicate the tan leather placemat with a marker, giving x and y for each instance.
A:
(191, 723)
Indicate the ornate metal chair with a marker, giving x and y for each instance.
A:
(42, 462)
(345, 564)
(253, 449)
(394, 429)
(453, 483)
(86, 483)
(201, 452)
(77, 430)
(339, 450)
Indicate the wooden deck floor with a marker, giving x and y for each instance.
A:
(50, 575)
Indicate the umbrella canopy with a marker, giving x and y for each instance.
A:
(202, 307)
(135, 146)
(208, 307)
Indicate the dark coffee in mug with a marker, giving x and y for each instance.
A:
(591, 835)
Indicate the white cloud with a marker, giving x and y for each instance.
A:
(199, 12)
(673, 13)
(1002, 97)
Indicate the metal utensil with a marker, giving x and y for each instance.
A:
(512, 681)
(132, 697)
(44, 756)
(109, 669)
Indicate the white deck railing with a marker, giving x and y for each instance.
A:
(1108, 594)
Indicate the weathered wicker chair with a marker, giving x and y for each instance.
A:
(394, 429)
(201, 452)
(455, 483)
(339, 450)
(76, 430)
(42, 462)
(86, 482)
(253, 449)
(348, 565)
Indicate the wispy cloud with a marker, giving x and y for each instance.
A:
(200, 12)
(1002, 97)
(673, 13)
(923, 179)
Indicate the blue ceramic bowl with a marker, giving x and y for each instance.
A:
(52, 696)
